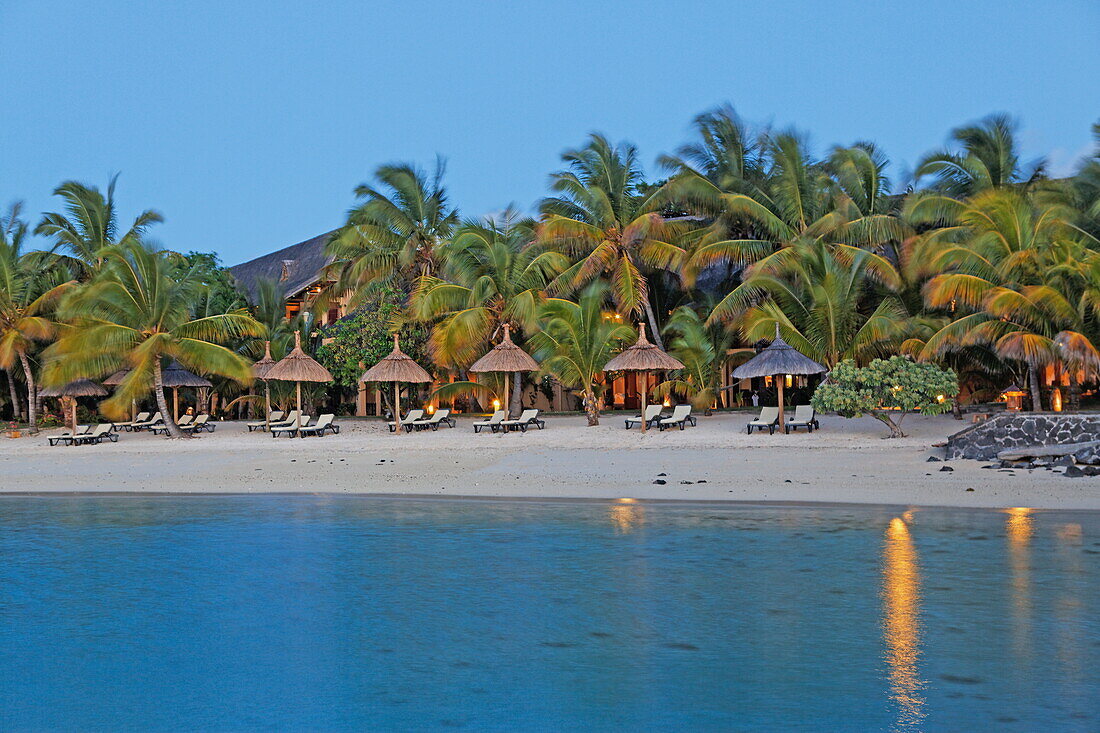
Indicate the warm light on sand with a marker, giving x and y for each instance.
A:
(901, 622)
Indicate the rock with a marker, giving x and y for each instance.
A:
(786, 481)
(1073, 472)
(946, 468)
(992, 465)
(933, 459)
(662, 474)
(1091, 470)
(660, 481)
(1062, 461)
(701, 481)
(686, 482)
(970, 489)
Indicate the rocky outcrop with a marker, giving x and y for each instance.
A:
(1027, 431)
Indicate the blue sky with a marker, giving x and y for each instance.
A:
(248, 124)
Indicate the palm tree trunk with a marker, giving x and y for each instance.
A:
(1033, 383)
(16, 403)
(591, 408)
(653, 325)
(162, 402)
(516, 402)
(32, 392)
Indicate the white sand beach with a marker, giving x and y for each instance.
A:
(846, 461)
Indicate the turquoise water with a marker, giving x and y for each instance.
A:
(318, 613)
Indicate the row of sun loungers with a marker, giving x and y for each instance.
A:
(681, 417)
(804, 417)
(325, 423)
(86, 435)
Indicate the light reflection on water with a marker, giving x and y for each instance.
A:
(350, 613)
(901, 582)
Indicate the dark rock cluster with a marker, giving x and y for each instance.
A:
(1030, 433)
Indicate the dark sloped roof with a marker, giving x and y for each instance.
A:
(295, 267)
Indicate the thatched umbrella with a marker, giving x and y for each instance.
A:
(298, 367)
(175, 376)
(642, 357)
(397, 367)
(505, 357)
(777, 360)
(259, 371)
(72, 390)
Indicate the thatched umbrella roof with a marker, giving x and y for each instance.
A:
(778, 358)
(116, 379)
(396, 367)
(505, 357)
(642, 357)
(263, 366)
(175, 376)
(298, 366)
(79, 388)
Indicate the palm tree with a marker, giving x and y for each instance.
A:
(726, 154)
(27, 292)
(703, 350)
(988, 158)
(89, 226)
(134, 314)
(575, 342)
(600, 217)
(992, 256)
(393, 236)
(491, 276)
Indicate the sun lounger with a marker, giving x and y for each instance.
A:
(102, 432)
(323, 423)
(769, 418)
(493, 423)
(156, 419)
(652, 414)
(274, 418)
(526, 419)
(67, 436)
(681, 416)
(290, 429)
(290, 419)
(129, 424)
(804, 417)
(406, 422)
(441, 417)
(200, 423)
(184, 423)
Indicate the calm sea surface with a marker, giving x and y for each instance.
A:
(303, 612)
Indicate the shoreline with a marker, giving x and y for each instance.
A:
(845, 463)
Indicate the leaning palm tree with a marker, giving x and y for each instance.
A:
(27, 293)
(575, 342)
(89, 226)
(134, 315)
(491, 277)
(600, 217)
(393, 236)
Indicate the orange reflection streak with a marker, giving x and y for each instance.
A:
(901, 625)
(626, 515)
(1019, 527)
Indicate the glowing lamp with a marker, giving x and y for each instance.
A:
(431, 409)
(1056, 399)
(496, 404)
(1014, 397)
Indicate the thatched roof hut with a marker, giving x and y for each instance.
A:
(642, 357)
(505, 357)
(263, 366)
(396, 367)
(174, 376)
(298, 366)
(116, 379)
(79, 388)
(778, 358)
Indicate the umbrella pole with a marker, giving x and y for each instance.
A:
(73, 400)
(298, 392)
(645, 386)
(507, 395)
(397, 408)
(176, 404)
(267, 404)
(782, 418)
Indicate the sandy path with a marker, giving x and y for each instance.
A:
(847, 461)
